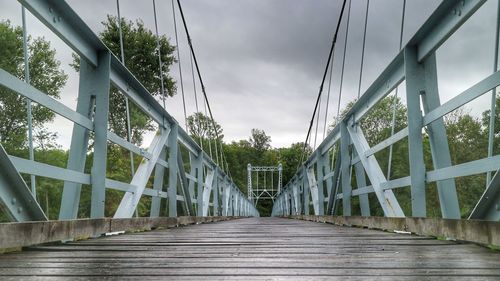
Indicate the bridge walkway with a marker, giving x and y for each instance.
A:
(255, 249)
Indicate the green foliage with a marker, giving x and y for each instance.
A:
(485, 121)
(259, 140)
(258, 152)
(467, 138)
(141, 54)
(45, 75)
(201, 127)
(290, 159)
(141, 58)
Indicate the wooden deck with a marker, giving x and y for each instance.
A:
(255, 249)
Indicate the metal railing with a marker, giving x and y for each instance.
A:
(204, 190)
(324, 180)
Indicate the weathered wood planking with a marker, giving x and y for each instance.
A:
(255, 249)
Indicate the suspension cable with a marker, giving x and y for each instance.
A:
(317, 123)
(393, 124)
(322, 82)
(363, 49)
(28, 102)
(209, 141)
(203, 90)
(127, 107)
(343, 60)
(493, 113)
(328, 98)
(180, 66)
(197, 119)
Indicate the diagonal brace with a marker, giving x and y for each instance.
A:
(131, 199)
(387, 200)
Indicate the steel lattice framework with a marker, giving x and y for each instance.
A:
(203, 190)
(324, 180)
(267, 189)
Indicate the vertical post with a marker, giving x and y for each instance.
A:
(415, 86)
(172, 170)
(345, 164)
(328, 169)
(199, 184)
(79, 142)
(288, 203)
(28, 102)
(101, 83)
(493, 110)
(226, 198)
(192, 172)
(361, 182)
(438, 140)
(216, 192)
(332, 201)
(237, 203)
(158, 186)
(305, 190)
(319, 174)
(249, 182)
(280, 177)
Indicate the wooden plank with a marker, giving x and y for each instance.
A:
(254, 249)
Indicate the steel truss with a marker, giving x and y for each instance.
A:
(324, 180)
(263, 189)
(203, 190)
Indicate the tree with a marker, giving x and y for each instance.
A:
(290, 158)
(45, 75)
(259, 140)
(467, 141)
(201, 126)
(45, 139)
(141, 58)
(485, 120)
(377, 123)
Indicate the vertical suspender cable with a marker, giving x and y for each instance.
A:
(180, 67)
(127, 108)
(197, 119)
(197, 70)
(343, 61)
(393, 124)
(28, 101)
(158, 48)
(343, 67)
(209, 141)
(317, 123)
(194, 82)
(491, 133)
(322, 82)
(363, 49)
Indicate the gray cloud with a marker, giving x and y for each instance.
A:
(262, 61)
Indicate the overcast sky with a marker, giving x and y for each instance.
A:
(262, 60)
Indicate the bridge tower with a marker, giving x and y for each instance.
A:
(264, 186)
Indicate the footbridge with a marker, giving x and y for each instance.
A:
(341, 216)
